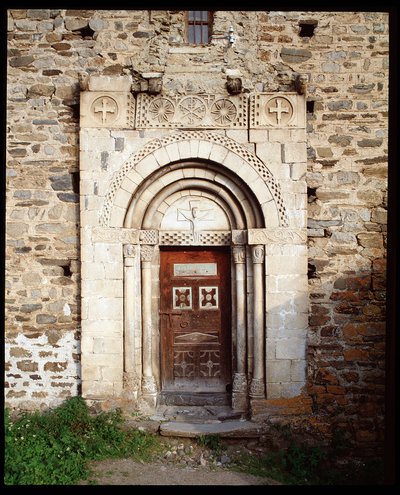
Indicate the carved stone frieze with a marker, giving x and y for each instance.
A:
(107, 109)
(148, 237)
(277, 236)
(106, 234)
(277, 110)
(191, 111)
(185, 238)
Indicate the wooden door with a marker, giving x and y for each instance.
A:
(195, 320)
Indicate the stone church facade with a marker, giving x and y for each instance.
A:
(199, 223)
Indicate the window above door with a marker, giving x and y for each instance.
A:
(198, 26)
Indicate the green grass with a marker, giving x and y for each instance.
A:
(212, 442)
(305, 465)
(56, 447)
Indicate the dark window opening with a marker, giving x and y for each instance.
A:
(86, 32)
(310, 106)
(75, 182)
(312, 271)
(307, 28)
(199, 26)
(67, 270)
(311, 194)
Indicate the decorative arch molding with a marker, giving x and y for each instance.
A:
(189, 145)
(172, 181)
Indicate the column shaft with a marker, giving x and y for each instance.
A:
(257, 387)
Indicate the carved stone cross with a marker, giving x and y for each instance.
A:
(279, 110)
(194, 216)
(104, 109)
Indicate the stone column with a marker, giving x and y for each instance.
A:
(149, 389)
(257, 387)
(131, 379)
(239, 388)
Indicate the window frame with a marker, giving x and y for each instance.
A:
(199, 22)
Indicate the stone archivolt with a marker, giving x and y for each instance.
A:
(196, 137)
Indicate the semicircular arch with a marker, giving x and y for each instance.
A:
(194, 145)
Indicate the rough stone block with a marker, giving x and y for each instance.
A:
(278, 371)
(107, 252)
(103, 308)
(294, 153)
(258, 136)
(97, 389)
(110, 83)
(291, 348)
(286, 265)
(298, 370)
(296, 283)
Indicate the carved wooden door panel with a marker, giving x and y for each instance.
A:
(195, 320)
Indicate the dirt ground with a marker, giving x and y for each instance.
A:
(127, 472)
(182, 461)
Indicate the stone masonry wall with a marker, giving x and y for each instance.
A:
(344, 54)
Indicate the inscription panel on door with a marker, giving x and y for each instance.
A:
(194, 319)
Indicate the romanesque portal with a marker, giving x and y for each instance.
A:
(193, 246)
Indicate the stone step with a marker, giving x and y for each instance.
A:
(195, 414)
(193, 399)
(225, 429)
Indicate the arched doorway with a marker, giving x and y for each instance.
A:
(202, 311)
(154, 201)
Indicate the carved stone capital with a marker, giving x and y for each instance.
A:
(130, 251)
(257, 389)
(149, 386)
(146, 252)
(239, 254)
(258, 254)
(239, 383)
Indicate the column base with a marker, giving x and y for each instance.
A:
(257, 388)
(148, 399)
(239, 392)
(149, 386)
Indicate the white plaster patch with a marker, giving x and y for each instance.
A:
(67, 310)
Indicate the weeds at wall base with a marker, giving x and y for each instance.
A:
(55, 448)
